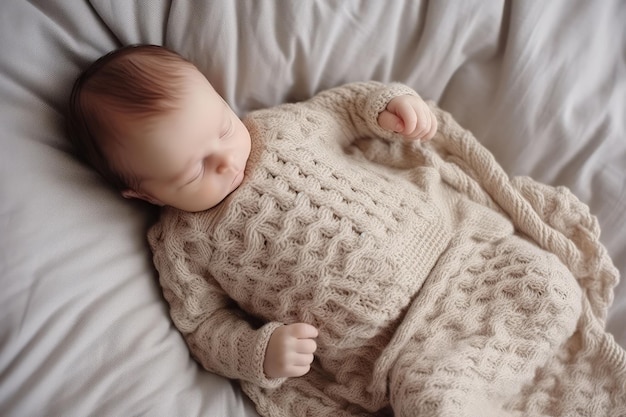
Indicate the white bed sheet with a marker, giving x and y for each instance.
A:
(85, 330)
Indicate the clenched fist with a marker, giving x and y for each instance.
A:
(290, 351)
(409, 116)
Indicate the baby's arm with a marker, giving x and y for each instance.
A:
(226, 344)
(220, 336)
(218, 333)
(373, 109)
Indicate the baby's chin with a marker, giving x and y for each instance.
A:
(196, 207)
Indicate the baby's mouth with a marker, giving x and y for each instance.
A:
(238, 178)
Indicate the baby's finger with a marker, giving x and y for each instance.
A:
(433, 128)
(303, 359)
(305, 346)
(295, 371)
(428, 125)
(409, 118)
(303, 331)
(389, 121)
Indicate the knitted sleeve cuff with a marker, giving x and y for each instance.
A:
(251, 358)
(377, 102)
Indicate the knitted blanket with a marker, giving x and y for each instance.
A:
(491, 301)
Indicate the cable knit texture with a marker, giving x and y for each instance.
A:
(440, 286)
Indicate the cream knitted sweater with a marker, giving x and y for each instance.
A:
(439, 286)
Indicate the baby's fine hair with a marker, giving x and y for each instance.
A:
(136, 82)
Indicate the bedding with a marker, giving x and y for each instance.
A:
(85, 330)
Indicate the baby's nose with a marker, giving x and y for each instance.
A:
(225, 163)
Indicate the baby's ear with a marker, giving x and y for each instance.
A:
(128, 193)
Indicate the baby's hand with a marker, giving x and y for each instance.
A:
(290, 351)
(410, 117)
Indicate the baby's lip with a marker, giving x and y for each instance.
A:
(237, 178)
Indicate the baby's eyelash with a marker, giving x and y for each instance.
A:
(197, 176)
(201, 173)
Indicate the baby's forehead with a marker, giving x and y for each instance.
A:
(136, 115)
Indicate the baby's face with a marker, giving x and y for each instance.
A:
(192, 157)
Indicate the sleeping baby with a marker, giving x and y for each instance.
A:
(329, 255)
